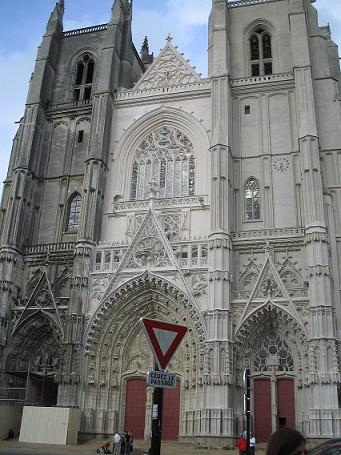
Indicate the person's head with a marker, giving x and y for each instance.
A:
(286, 441)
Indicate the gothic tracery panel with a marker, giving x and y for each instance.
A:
(274, 351)
(164, 165)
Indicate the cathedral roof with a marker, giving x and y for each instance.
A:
(168, 69)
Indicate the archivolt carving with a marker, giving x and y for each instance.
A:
(267, 319)
(250, 274)
(36, 347)
(114, 339)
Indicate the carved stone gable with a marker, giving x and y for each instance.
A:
(41, 301)
(149, 250)
(269, 287)
(149, 247)
(168, 70)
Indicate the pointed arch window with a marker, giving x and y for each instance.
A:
(273, 351)
(74, 213)
(251, 200)
(260, 53)
(83, 79)
(164, 166)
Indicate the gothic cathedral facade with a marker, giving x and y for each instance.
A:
(137, 188)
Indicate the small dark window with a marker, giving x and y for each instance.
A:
(255, 69)
(268, 68)
(74, 214)
(80, 70)
(247, 110)
(76, 94)
(251, 200)
(266, 46)
(87, 93)
(254, 48)
(90, 73)
(184, 253)
(80, 135)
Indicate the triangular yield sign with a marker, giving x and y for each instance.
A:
(163, 338)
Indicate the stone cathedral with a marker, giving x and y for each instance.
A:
(138, 188)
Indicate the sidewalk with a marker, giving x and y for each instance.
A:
(140, 446)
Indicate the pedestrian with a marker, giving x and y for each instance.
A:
(131, 434)
(126, 443)
(286, 441)
(116, 443)
(242, 445)
(252, 444)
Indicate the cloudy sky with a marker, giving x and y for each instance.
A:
(23, 23)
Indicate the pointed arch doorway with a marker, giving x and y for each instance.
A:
(274, 386)
(137, 418)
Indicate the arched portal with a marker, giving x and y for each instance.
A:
(33, 361)
(273, 345)
(119, 357)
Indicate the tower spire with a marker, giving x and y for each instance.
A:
(55, 22)
(146, 57)
(118, 6)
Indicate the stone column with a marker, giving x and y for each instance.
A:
(323, 381)
(218, 417)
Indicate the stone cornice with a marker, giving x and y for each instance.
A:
(197, 89)
(263, 83)
(199, 202)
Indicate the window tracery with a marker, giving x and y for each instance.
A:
(84, 74)
(74, 214)
(273, 351)
(251, 200)
(260, 53)
(164, 165)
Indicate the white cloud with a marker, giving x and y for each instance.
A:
(188, 29)
(190, 12)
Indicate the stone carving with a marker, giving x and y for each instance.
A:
(318, 270)
(130, 227)
(219, 243)
(82, 250)
(316, 237)
(98, 288)
(80, 281)
(289, 272)
(281, 164)
(171, 226)
(269, 286)
(168, 70)
(199, 284)
(250, 274)
(8, 255)
(41, 300)
(220, 275)
(187, 201)
(150, 252)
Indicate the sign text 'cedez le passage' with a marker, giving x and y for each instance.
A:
(161, 380)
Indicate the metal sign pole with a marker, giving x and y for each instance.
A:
(247, 398)
(156, 419)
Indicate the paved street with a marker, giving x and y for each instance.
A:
(168, 448)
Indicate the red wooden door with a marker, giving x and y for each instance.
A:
(262, 409)
(286, 402)
(136, 407)
(170, 413)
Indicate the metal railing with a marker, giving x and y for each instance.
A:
(13, 394)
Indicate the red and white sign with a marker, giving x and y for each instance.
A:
(163, 338)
